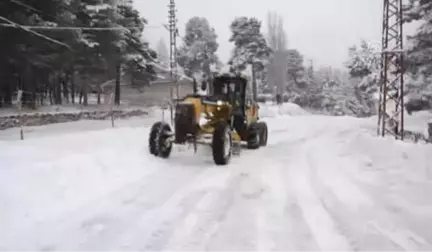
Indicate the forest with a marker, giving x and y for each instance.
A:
(60, 51)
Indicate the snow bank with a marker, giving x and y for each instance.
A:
(402, 166)
(65, 108)
(286, 109)
(43, 119)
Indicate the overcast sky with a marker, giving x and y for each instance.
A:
(322, 30)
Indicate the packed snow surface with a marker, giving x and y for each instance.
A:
(322, 183)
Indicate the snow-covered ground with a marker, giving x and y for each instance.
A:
(322, 183)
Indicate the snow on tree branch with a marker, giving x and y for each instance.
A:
(198, 53)
(250, 44)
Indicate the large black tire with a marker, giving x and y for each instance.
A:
(158, 144)
(222, 144)
(253, 139)
(154, 131)
(263, 131)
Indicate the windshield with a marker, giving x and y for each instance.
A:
(227, 90)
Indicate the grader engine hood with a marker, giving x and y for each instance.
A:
(213, 112)
(195, 114)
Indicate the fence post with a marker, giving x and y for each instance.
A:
(111, 109)
(19, 107)
(171, 101)
(429, 140)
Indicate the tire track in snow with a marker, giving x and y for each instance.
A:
(215, 186)
(403, 202)
(323, 226)
(255, 199)
(202, 223)
(342, 217)
(356, 229)
(282, 223)
(150, 228)
(282, 214)
(145, 214)
(162, 228)
(99, 225)
(224, 218)
(357, 215)
(392, 222)
(281, 218)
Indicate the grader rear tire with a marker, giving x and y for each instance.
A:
(222, 144)
(253, 140)
(263, 131)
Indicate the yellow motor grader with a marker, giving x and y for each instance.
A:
(225, 120)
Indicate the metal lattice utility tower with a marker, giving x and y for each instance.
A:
(172, 21)
(391, 88)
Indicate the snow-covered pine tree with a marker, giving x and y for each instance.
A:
(251, 53)
(419, 55)
(364, 67)
(93, 56)
(364, 64)
(116, 51)
(295, 68)
(31, 58)
(136, 55)
(250, 45)
(89, 61)
(198, 52)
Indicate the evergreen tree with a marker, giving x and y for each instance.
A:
(53, 61)
(198, 53)
(419, 56)
(250, 46)
(364, 64)
(250, 49)
(295, 67)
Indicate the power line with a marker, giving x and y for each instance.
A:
(35, 33)
(32, 8)
(72, 28)
(40, 12)
(30, 28)
(26, 6)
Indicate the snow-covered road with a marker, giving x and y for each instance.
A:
(322, 183)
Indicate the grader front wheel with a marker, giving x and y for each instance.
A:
(159, 144)
(222, 143)
(154, 131)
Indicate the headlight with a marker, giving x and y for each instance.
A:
(219, 103)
